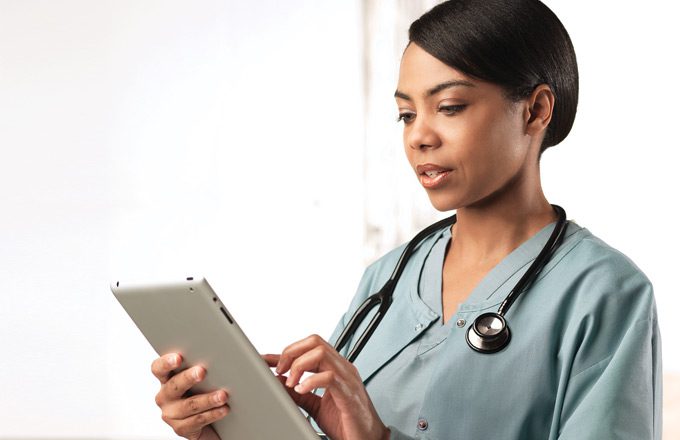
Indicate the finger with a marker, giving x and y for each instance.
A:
(196, 423)
(163, 366)
(342, 389)
(181, 409)
(180, 383)
(325, 379)
(271, 359)
(294, 350)
(321, 358)
(308, 361)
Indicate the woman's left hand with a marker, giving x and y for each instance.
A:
(344, 412)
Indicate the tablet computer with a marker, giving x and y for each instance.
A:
(187, 317)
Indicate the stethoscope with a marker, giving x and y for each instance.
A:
(489, 333)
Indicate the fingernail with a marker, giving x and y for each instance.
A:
(219, 397)
(298, 388)
(197, 373)
(173, 361)
(289, 382)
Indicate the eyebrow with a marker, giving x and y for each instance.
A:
(436, 89)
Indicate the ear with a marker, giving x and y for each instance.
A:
(539, 110)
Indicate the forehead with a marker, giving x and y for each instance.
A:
(420, 70)
(423, 76)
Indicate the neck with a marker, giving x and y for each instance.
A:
(489, 230)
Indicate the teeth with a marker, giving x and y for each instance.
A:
(432, 174)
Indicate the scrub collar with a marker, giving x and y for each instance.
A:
(489, 292)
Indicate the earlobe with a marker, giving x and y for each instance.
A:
(540, 109)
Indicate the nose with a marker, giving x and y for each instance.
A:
(420, 134)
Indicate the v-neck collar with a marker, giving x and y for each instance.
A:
(492, 289)
(407, 319)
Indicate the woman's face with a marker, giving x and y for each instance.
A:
(465, 141)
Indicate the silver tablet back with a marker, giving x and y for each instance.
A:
(187, 317)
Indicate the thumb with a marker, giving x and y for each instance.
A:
(271, 359)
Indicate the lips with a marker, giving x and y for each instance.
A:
(430, 168)
(432, 175)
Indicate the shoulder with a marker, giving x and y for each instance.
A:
(599, 275)
(606, 304)
(600, 256)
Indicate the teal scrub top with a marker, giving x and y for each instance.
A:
(584, 360)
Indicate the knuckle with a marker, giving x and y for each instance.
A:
(174, 383)
(201, 419)
(159, 400)
(319, 352)
(316, 338)
(354, 369)
(180, 430)
(191, 404)
(297, 366)
(217, 413)
(166, 418)
(293, 370)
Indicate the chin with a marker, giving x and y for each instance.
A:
(443, 203)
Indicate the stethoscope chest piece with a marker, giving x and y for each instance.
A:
(488, 334)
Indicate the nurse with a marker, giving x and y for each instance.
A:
(485, 87)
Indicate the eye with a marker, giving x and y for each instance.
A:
(451, 110)
(407, 117)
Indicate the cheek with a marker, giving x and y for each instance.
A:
(494, 148)
(502, 132)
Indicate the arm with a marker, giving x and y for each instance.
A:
(614, 390)
(619, 397)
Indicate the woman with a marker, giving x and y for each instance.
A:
(484, 88)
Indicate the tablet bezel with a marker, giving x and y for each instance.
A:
(188, 317)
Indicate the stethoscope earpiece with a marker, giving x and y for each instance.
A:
(488, 334)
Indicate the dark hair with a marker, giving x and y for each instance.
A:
(516, 44)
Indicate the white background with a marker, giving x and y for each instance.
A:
(160, 139)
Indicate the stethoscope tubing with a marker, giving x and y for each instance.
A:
(540, 261)
(475, 338)
(383, 298)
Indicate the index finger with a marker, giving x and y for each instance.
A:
(296, 349)
(163, 366)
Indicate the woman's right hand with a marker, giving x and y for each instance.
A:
(189, 417)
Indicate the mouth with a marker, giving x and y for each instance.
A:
(433, 179)
(432, 176)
